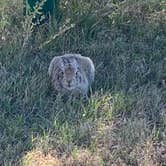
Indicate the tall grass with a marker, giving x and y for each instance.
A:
(124, 122)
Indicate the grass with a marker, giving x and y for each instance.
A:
(125, 121)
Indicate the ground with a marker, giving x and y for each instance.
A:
(124, 122)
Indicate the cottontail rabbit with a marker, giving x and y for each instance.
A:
(71, 74)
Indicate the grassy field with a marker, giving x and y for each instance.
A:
(125, 121)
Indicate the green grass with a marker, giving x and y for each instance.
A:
(125, 121)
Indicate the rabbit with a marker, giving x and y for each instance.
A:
(72, 74)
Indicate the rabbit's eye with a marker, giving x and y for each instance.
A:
(77, 73)
(80, 78)
(60, 75)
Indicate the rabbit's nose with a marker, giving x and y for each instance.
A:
(69, 83)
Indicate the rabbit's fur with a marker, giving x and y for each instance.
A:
(71, 74)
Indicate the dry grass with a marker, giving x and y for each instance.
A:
(125, 121)
(37, 158)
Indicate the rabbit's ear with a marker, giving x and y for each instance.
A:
(54, 64)
(50, 69)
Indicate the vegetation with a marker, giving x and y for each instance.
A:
(124, 122)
